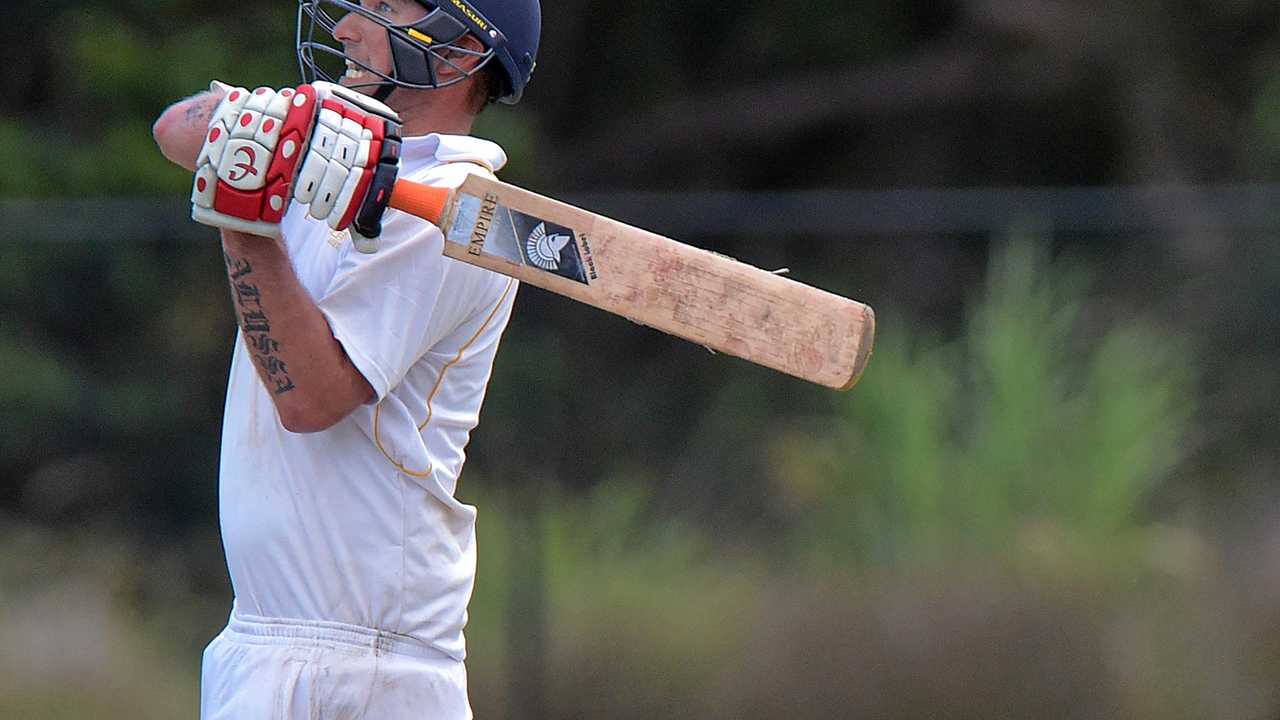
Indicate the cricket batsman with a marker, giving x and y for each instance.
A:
(361, 359)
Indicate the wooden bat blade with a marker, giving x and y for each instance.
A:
(694, 294)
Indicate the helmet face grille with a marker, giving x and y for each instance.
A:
(420, 50)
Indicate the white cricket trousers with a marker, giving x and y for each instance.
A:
(267, 669)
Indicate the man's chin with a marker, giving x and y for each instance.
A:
(364, 85)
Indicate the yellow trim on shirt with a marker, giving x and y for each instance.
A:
(377, 411)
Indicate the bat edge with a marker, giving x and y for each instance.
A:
(866, 344)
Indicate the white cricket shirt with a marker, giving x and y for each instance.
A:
(358, 524)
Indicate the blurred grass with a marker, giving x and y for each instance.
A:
(969, 534)
(1029, 441)
(74, 640)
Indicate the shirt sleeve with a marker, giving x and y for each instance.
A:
(384, 307)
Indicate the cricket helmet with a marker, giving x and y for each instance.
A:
(509, 30)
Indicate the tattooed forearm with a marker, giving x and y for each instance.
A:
(256, 326)
(199, 113)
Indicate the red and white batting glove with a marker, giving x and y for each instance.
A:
(319, 144)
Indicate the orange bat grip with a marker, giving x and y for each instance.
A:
(424, 201)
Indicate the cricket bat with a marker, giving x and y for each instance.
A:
(681, 290)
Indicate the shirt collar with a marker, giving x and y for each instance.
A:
(437, 148)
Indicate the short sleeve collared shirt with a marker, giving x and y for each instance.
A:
(358, 524)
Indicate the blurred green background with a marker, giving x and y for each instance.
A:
(1053, 494)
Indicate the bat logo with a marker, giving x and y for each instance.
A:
(246, 168)
(543, 250)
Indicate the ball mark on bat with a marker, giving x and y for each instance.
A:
(736, 346)
(805, 357)
(665, 269)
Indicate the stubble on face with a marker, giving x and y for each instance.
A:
(366, 42)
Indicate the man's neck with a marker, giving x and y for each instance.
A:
(433, 111)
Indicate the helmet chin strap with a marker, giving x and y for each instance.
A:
(386, 88)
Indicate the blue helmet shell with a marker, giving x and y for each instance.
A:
(519, 25)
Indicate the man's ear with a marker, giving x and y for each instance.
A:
(467, 42)
(466, 62)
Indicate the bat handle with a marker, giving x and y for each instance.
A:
(425, 201)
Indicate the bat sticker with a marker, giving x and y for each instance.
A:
(486, 226)
(543, 249)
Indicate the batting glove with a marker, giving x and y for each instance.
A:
(321, 144)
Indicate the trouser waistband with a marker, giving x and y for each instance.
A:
(319, 633)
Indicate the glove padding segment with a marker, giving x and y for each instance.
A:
(320, 144)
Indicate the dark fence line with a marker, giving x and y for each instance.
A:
(830, 213)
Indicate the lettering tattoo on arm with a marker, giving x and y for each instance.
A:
(256, 326)
(200, 113)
